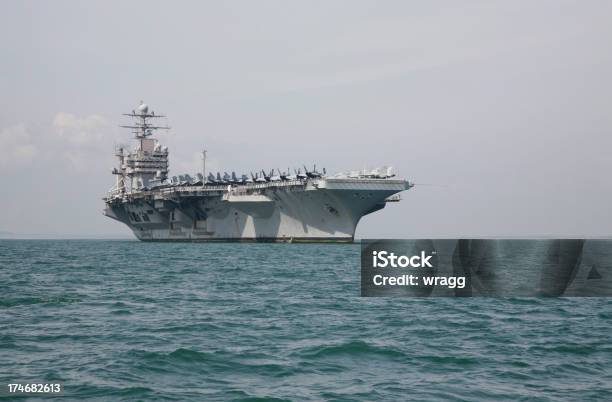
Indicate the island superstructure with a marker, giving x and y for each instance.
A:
(272, 206)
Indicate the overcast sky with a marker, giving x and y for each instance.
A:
(506, 106)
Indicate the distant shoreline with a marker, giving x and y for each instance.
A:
(60, 237)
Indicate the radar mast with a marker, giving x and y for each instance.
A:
(147, 164)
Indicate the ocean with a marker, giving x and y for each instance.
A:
(125, 320)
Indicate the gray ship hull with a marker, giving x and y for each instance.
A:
(312, 210)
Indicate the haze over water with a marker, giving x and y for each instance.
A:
(124, 320)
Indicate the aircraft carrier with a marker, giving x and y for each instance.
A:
(307, 206)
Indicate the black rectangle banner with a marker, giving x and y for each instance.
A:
(486, 267)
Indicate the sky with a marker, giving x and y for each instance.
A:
(499, 111)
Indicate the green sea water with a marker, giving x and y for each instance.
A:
(124, 320)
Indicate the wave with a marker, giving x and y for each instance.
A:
(189, 359)
(352, 348)
(30, 300)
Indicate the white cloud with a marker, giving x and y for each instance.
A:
(80, 130)
(17, 146)
(82, 141)
(71, 140)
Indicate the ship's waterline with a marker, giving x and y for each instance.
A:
(305, 207)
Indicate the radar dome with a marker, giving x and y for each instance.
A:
(143, 108)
